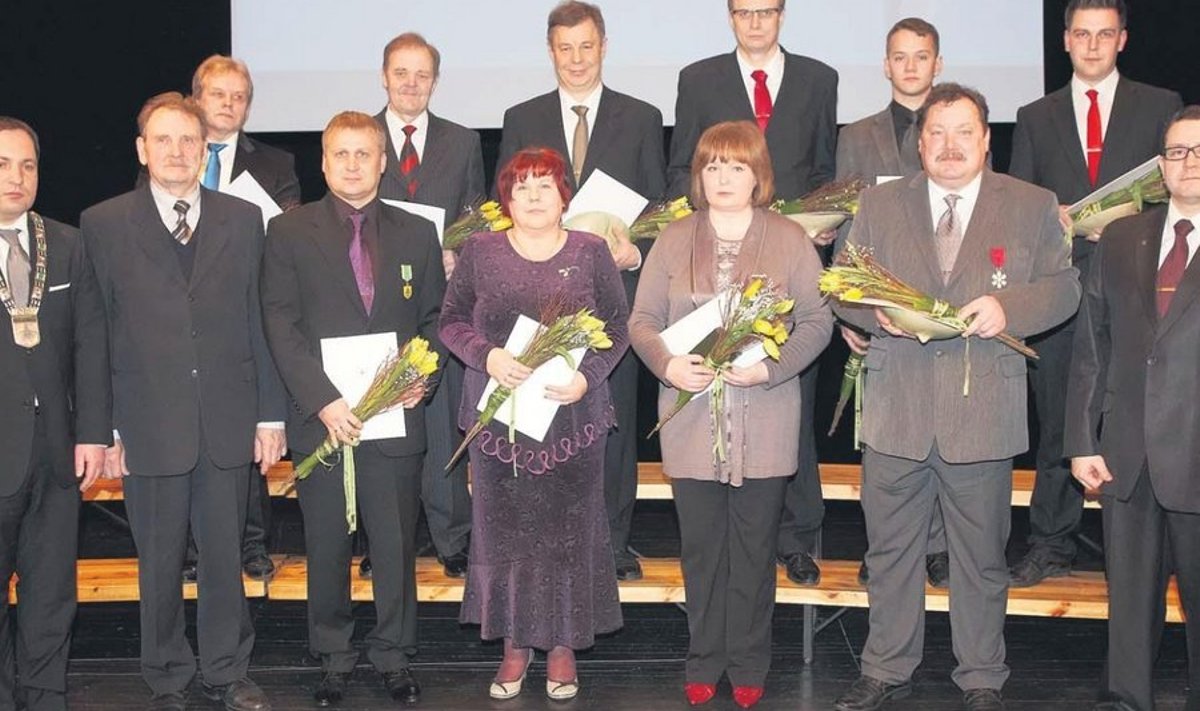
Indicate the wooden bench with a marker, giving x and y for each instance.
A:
(115, 580)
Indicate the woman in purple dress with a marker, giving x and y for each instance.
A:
(540, 573)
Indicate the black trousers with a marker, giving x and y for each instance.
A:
(728, 556)
(258, 515)
(620, 454)
(39, 526)
(1143, 544)
(160, 508)
(388, 500)
(444, 494)
(803, 504)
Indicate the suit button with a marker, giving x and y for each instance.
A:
(191, 299)
(938, 354)
(195, 333)
(195, 373)
(1150, 361)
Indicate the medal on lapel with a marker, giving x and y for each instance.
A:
(406, 275)
(999, 278)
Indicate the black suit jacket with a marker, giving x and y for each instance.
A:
(67, 372)
(189, 361)
(1047, 150)
(450, 175)
(1133, 375)
(626, 139)
(309, 293)
(802, 134)
(273, 168)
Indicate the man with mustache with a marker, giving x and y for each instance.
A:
(942, 420)
(1071, 142)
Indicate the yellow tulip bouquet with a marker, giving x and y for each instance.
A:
(480, 217)
(400, 377)
(753, 314)
(656, 217)
(825, 208)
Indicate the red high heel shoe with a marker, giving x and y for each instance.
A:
(747, 696)
(698, 693)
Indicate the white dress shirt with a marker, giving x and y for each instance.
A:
(570, 119)
(1106, 88)
(773, 68)
(968, 196)
(396, 125)
(1168, 235)
(22, 225)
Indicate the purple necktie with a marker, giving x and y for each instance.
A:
(360, 262)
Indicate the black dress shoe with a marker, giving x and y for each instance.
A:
(982, 700)
(869, 693)
(188, 573)
(364, 567)
(627, 565)
(801, 568)
(167, 702)
(241, 695)
(1037, 565)
(864, 575)
(455, 565)
(258, 566)
(937, 569)
(402, 686)
(331, 689)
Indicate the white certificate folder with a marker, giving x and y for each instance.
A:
(351, 363)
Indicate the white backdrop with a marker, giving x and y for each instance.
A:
(314, 58)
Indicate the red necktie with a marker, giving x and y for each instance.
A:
(762, 99)
(409, 160)
(1095, 138)
(1172, 269)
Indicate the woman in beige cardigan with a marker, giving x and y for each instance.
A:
(729, 512)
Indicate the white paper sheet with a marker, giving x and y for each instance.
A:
(603, 193)
(881, 179)
(534, 412)
(686, 333)
(436, 215)
(247, 188)
(351, 363)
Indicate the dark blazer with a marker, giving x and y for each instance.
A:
(914, 391)
(802, 134)
(1047, 150)
(626, 140)
(450, 175)
(1133, 376)
(309, 293)
(189, 361)
(273, 168)
(867, 149)
(67, 372)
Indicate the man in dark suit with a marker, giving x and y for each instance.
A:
(1072, 141)
(55, 405)
(344, 266)
(177, 266)
(885, 145)
(223, 90)
(794, 101)
(941, 232)
(1134, 382)
(435, 162)
(596, 128)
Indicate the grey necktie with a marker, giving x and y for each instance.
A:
(949, 237)
(181, 232)
(579, 146)
(18, 267)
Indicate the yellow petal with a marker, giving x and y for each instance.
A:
(780, 334)
(852, 294)
(590, 323)
(763, 326)
(771, 348)
(753, 288)
(502, 224)
(785, 306)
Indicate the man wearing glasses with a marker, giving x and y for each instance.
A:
(1072, 141)
(1133, 371)
(794, 101)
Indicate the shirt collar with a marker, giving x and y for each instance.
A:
(21, 223)
(772, 67)
(900, 112)
(165, 201)
(397, 124)
(591, 101)
(967, 193)
(231, 141)
(1174, 215)
(345, 210)
(1106, 87)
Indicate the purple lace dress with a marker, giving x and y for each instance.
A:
(541, 570)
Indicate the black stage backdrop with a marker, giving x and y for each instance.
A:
(79, 71)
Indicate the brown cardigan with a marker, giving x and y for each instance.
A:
(763, 422)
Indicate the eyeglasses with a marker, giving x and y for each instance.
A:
(1180, 152)
(766, 13)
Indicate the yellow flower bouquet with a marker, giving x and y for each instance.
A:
(481, 217)
(825, 208)
(657, 216)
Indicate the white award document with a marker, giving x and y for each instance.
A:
(1120, 183)
(351, 363)
(247, 188)
(534, 412)
(880, 180)
(687, 333)
(603, 193)
(434, 214)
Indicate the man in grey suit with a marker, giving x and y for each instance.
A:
(1072, 141)
(596, 128)
(885, 145)
(435, 162)
(942, 420)
(177, 266)
(794, 101)
(1134, 381)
